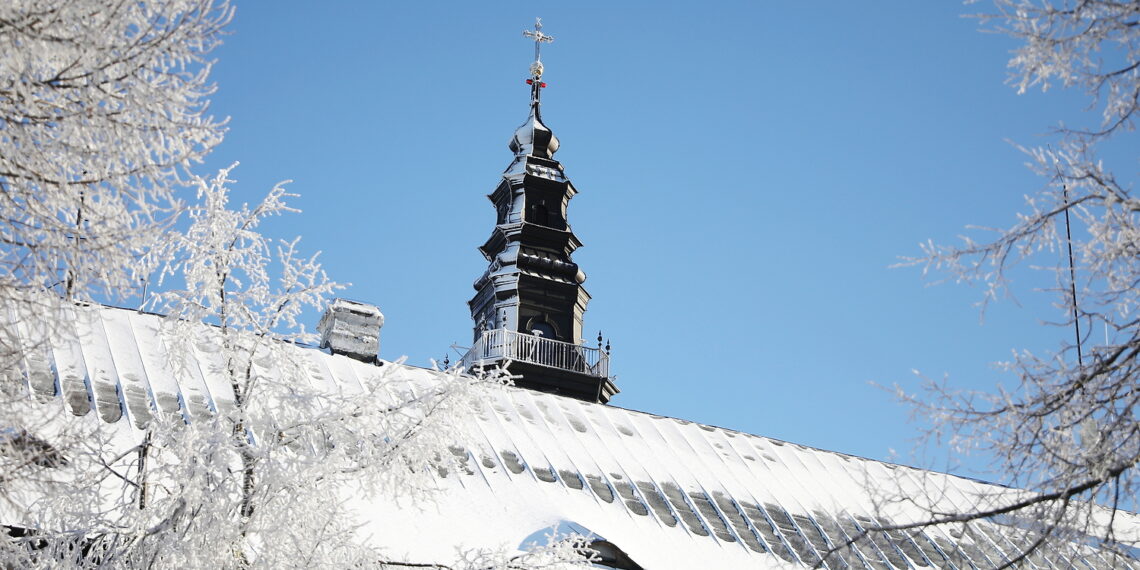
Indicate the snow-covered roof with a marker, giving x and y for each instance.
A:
(668, 492)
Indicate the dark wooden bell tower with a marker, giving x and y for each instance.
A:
(528, 305)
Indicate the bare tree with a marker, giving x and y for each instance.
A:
(103, 109)
(1069, 430)
(102, 102)
(268, 479)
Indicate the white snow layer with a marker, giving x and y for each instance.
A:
(670, 493)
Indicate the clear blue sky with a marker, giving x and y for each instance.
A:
(748, 173)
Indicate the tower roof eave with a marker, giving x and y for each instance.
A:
(534, 234)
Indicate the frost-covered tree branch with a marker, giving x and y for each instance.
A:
(1086, 44)
(103, 107)
(102, 102)
(273, 475)
(1069, 430)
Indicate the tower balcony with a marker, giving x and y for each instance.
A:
(500, 345)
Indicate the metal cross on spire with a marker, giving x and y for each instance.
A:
(539, 39)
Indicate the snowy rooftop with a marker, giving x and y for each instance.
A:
(668, 492)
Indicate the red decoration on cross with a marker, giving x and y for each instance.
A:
(541, 84)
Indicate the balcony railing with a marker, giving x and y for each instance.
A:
(502, 344)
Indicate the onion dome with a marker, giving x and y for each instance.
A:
(533, 137)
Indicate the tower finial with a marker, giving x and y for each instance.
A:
(539, 39)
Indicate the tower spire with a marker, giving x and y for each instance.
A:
(529, 303)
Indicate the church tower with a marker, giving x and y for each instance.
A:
(529, 303)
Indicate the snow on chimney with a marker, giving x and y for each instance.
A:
(352, 329)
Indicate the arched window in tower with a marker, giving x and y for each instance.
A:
(539, 214)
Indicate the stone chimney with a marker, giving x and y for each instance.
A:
(352, 329)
